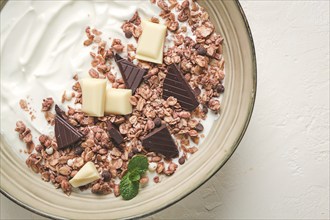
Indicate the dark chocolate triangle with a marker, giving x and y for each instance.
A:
(65, 134)
(176, 85)
(161, 141)
(132, 75)
(115, 134)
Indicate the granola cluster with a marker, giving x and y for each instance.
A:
(201, 61)
(25, 135)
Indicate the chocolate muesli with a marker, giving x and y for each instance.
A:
(139, 115)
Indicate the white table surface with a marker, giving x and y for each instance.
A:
(281, 168)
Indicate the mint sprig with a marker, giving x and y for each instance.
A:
(129, 184)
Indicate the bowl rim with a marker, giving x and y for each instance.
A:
(234, 147)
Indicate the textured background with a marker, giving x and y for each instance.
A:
(281, 168)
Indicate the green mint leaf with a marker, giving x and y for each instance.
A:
(134, 176)
(128, 189)
(129, 184)
(138, 163)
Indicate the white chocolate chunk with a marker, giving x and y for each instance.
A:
(85, 175)
(93, 96)
(151, 42)
(152, 166)
(117, 101)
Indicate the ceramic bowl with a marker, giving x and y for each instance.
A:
(25, 188)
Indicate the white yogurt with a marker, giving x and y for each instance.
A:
(42, 48)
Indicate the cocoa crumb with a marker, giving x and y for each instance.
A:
(117, 45)
(144, 181)
(76, 87)
(96, 32)
(25, 135)
(88, 42)
(135, 19)
(47, 104)
(163, 5)
(214, 105)
(156, 179)
(23, 104)
(192, 150)
(116, 190)
(172, 25)
(184, 15)
(154, 20)
(102, 189)
(75, 77)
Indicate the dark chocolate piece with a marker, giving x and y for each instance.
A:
(78, 150)
(132, 75)
(114, 134)
(65, 134)
(60, 112)
(135, 150)
(205, 109)
(158, 122)
(220, 88)
(199, 127)
(201, 50)
(176, 85)
(128, 34)
(106, 175)
(182, 160)
(161, 141)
